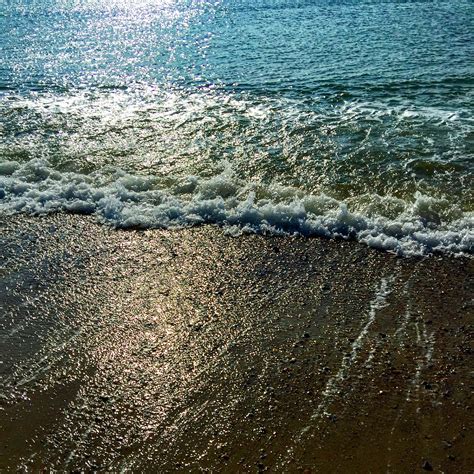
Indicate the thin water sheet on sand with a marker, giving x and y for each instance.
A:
(192, 350)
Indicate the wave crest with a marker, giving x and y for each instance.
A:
(134, 201)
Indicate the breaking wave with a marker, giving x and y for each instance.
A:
(408, 228)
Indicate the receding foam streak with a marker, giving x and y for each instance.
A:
(332, 386)
(133, 201)
(400, 333)
(426, 342)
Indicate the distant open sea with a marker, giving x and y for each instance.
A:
(331, 118)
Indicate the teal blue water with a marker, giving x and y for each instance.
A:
(335, 118)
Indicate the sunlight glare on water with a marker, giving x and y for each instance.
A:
(253, 115)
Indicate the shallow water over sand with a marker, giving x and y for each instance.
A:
(190, 350)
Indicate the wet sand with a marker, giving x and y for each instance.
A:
(191, 350)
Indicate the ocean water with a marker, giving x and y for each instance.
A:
(336, 118)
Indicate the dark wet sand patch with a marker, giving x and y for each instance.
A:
(192, 350)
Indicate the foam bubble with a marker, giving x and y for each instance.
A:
(8, 167)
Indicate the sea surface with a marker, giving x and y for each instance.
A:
(332, 118)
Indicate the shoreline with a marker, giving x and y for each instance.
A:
(189, 349)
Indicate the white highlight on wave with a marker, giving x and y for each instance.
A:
(133, 201)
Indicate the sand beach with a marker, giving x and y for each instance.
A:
(191, 350)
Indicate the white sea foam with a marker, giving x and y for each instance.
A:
(333, 384)
(125, 201)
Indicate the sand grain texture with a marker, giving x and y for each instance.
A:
(191, 350)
